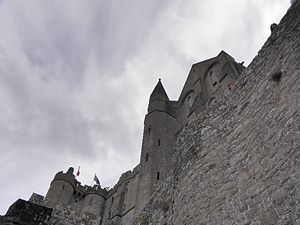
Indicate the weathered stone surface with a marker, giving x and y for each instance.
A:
(238, 162)
(234, 163)
(26, 213)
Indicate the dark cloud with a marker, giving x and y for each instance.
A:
(75, 77)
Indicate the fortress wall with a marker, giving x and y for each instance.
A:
(128, 207)
(120, 202)
(239, 162)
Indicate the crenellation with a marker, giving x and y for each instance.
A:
(226, 152)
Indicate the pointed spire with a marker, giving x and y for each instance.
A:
(159, 93)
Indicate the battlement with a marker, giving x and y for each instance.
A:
(206, 158)
(127, 176)
(96, 189)
(70, 178)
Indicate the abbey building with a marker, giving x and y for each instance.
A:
(226, 152)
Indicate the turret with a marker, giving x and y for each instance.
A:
(158, 98)
(94, 201)
(158, 140)
(61, 189)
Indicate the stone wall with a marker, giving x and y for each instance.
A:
(68, 215)
(26, 213)
(239, 161)
(120, 201)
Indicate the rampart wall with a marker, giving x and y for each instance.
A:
(239, 161)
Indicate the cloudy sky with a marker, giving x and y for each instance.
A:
(76, 75)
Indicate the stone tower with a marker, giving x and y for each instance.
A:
(158, 139)
(93, 201)
(61, 189)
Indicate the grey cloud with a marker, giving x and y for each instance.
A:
(75, 78)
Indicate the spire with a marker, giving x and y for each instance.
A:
(158, 93)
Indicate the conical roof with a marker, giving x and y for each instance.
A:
(159, 93)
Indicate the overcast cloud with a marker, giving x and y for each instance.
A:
(75, 77)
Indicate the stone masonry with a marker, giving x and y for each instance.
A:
(226, 152)
(239, 161)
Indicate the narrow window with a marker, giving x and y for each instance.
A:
(158, 142)
(147, 157)
(157, 176)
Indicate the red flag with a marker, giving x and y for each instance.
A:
(78, 171)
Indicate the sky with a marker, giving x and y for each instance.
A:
(76, 76)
